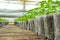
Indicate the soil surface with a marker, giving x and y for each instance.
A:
(12, 32)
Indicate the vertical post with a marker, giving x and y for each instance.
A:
(24, 6)
(49, 26)
(36, 25)
(28, 25)
(20, 24)
(23, 25)
(41, 25)
(57, 26)
(32, 25)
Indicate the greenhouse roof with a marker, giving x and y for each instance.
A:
(17, 7)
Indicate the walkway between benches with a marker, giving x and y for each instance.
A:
(12, 32)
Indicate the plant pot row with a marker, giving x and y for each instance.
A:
(48, 26)
(3, 23)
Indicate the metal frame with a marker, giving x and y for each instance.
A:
(24, 5)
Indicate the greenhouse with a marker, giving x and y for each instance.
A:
(29, 19)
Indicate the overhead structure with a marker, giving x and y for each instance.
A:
(24, 0)
(11, 11)
(9, 16)
(16, 6)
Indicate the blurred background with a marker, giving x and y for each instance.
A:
(11, 9)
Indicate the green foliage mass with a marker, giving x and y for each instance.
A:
(2, 20)
(50, 7)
